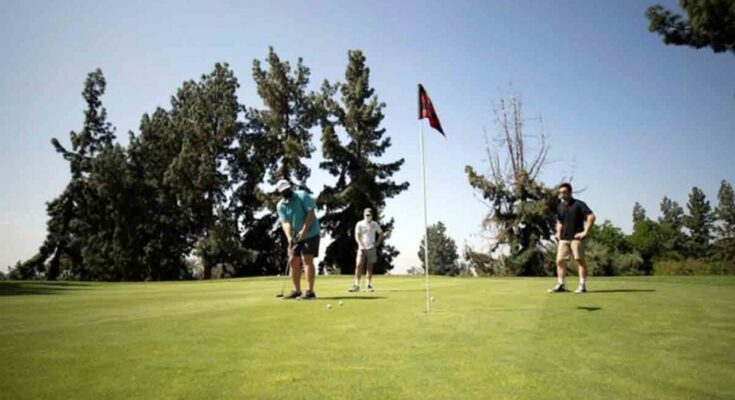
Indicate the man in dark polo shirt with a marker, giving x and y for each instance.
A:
(574, 221)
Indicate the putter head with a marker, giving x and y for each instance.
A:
(279, 295)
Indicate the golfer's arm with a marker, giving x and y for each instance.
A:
(588, 224)
(309, 220)
(558, 228)
(287, 230)
(380, 238)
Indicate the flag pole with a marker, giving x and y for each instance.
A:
(426, 219)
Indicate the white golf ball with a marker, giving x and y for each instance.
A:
(432, 298)
(340, 302)
(329, 306)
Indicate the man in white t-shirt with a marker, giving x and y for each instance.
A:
(368, 236)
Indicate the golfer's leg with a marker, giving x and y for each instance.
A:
(561, 269)
(562, 255)
(578, 251)
(295, 263)
(358, 267)
(369, 272)
(582, 268)
(309, 267)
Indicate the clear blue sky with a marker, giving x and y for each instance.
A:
(637, 120)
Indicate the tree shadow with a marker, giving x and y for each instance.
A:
(19, 288)
(590, 309)
(621, 291)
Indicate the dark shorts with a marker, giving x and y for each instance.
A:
(308, 246)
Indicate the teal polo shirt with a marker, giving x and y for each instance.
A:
(294, 212)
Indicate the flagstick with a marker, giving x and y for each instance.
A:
(426, 219)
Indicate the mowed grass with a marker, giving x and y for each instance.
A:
(629, 338)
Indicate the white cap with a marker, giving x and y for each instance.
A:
(283, 185)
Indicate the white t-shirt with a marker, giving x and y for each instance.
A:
(367, 232)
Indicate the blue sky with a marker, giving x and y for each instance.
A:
(634, 119)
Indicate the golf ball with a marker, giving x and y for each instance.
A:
(432, 298)
(340, 302)
(329, 306)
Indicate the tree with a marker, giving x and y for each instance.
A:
(671, 222)
(442, 251)
(710, 23)
(671, 213)
(362, 182)
(724, 247)
(645, 239)
(163, 243)
(288, 116)
(482, 263)
(699, 222)
(71, 214)
(725, 211)
(522, 209)
(272, 146)
(639, 213)
(609, 236)
(222, 247)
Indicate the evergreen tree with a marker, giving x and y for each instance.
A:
(162, 245)
(710, 23)
(362, 181)
(639, 213)
(206, 114)
(71, 215)
(699, 222)
(442, 251)
(725, 212)
(671, 222)
(272, 146)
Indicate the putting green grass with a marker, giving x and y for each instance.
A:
(629, 338)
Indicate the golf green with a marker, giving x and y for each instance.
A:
(487, 338)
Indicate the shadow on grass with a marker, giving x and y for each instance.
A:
(351, 298)
(590, 308)
(19, 288)
(621, 291)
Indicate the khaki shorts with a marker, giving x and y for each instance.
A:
(570, 247)
(369, 255)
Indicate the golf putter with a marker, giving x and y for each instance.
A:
(285, 278)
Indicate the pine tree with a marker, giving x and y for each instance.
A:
(442, 252)
(206, 114)
(710, 23)
(699, 223)
(71, 218)
(639, 213)
(272, 145)
(725, 212)
(162, 244)
(362, 182)
(671, 222)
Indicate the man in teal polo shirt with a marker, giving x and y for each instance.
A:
(301, 226)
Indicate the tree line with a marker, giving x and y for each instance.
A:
(195, 179)
(520, 223)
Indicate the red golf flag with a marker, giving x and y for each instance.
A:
(426, 110)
